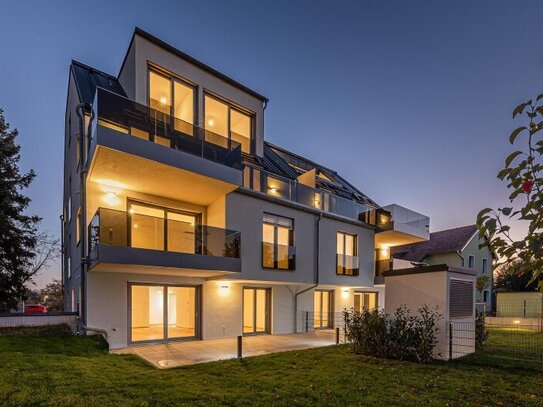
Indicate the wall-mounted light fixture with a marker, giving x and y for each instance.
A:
(224, 288)
(384, 250)
(345, 293)
(110, 198)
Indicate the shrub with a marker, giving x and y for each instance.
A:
(481, 333)
(401, 336)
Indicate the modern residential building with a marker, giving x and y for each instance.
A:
(181, 222)
(458, 247)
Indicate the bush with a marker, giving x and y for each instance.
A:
(481, 333)
(401, 336)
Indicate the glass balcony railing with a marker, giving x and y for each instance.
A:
(126, 116)
(284, 188)
(117, 228)
(347, 265)
(277, 256)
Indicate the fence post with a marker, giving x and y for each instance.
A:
(240, 347)
(450, 340)
(337, 335)
(307, 321)
(524, 309)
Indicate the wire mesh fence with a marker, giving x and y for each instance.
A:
(510, 344)
(325, 323)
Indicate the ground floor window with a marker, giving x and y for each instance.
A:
(322, 316)
(366, 300)
(256, 311)
(161, 312)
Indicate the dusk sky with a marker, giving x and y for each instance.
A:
(410, 101)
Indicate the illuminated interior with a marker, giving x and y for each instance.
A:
(150, 305)
(255, 306)
(322, 307)
(160, 93)
(365, 301)
(276, 236)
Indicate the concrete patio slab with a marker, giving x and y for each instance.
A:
(176, 354)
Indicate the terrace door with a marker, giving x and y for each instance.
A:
(322, 315)
(367, 301)
(159, 313)
(256, 313)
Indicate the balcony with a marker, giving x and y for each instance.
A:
(152, 244)
(347, 265)
(291, 190)
(406, 226)
(144, 150)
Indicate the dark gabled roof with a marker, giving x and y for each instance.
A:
(87, 79)
(281, 162)
(444, 241)
(192, 60)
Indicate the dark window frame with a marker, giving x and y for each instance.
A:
(356, 271)
(291, 261)
(330, 308)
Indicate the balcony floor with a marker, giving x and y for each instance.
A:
(175, 354)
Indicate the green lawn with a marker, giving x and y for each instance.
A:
(79, 371)
(511, 347)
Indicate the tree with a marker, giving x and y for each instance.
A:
(481, 282)
(514, 276)
(18, 231)
(52, 296)
(523, 174)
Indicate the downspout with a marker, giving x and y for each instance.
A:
(80, 111)
(317, 251)
(62, 276)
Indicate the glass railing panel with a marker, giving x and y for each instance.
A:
(278, 256)
(155, 124)
(347, 265)
(117, 228)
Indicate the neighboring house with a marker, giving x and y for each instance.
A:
(456, 247)
(181, 222)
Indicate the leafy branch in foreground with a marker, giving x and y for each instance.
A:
(523, 174)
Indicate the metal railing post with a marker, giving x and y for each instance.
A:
(450, 340)
(307, 321)
(337, 335)
(240, 347)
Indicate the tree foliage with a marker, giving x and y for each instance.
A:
(522, 172)
(515, 276)
(52, 296)
(481, 282)
(18, 231)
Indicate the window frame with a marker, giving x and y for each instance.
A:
(356, 271)
(362, 293)
(330, 310)
(471, 261)
(231, 106)
(151, 68)
(484, 265)
(291, 261)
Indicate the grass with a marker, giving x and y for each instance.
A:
(511, 346)
(59, 371)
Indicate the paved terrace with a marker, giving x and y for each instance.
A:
(176, 354)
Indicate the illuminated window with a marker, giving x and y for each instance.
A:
(223, 123)
(160, 93)
(277, 240)
(366, 300)
(78, 226)
(347, 260)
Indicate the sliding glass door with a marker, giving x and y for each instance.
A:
(256, 311)
(160, 312)
(322, 309)
(366, 300)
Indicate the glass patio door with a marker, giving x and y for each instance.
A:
(159, 312)
(322, 309)
(367, 301)
(255, 311)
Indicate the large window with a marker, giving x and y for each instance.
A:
(277, 241)
(471, 261)
(223, 123)
(366, 301)
(347, 260)
(157, 228)
(485, 266)
(175, 98)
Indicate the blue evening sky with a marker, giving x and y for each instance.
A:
(410, 100)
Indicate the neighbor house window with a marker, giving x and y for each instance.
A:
(73, 300)
(485, 266)
(69, 266)
(471, 262)
(224, 123)
(277, 241)
(347, 260)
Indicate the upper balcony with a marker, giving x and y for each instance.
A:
(406, 227)
(146, 150)
(284, 188)
(133, 242)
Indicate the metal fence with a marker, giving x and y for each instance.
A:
(511, 344)
(322, 322)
